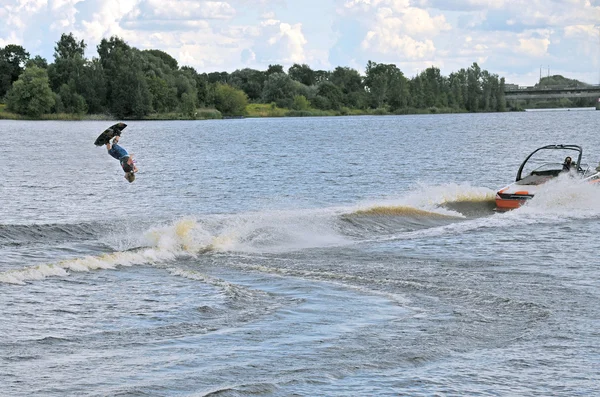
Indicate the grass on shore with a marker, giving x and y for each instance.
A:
(201, 114)
(252, 110)
(270, 110)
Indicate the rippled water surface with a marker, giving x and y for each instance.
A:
(301, 256)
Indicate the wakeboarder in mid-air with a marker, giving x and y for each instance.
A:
(113, 134)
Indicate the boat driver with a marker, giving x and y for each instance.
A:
(567, 164)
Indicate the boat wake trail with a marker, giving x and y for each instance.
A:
(565, 197)
(423, 213)
(270, 232)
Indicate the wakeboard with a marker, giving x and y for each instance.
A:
(109, 134)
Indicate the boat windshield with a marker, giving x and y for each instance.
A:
(548, 161)
(548, 169)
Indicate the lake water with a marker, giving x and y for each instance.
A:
(350, 256)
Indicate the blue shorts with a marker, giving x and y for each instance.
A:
(117, 151)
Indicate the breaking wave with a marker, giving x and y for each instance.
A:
(564, 197)
(423, 213)
(190, 237)
(166, 243)
(443, 201)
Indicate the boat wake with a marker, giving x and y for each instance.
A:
(565, 197)
(189, 237)
(448, 200)
(426, 212)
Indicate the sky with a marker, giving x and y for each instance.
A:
(515, 39)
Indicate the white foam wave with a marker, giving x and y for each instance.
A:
(558, 201)
(261, 232)
(167, 243)
(277, 231)
(564, 198)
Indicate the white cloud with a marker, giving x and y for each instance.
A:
(159, 10)
(411, 21)
(65, 13)
(11, 39)
(581, 31)
(388, 42)
(395, 29)
(164, 25)
(104, 21)
(534, 46)
(287, 43)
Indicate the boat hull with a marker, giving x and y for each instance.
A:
(512, 197)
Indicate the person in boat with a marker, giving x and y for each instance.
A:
(126, 160)
(567, 164)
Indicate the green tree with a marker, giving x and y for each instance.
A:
(351, 84)
(166, 58)
(31, 94)
(279, 88)
(322, 75)
(95, 87)
(434, 87)
(230, 100)
(68, 63)
(309, 92)
(164, 98)
(188, 104)
(473, 88)
(70, 100)
(500, 98)
(300, 103)
(320, 102)
(184, 83)
(218, 77)
(458, 89)
(417, 92)
(13, 59)
(333, 94)
(250, 81)
(302, 73)
(38, 61)
(398, 91)
(559, 81)
(202, 84)
(127, 93)
(272, 69)
(378, 78)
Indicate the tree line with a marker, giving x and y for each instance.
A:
(130, 83)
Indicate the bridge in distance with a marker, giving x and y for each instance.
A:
(513, 92)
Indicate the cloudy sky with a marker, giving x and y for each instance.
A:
(511, 38)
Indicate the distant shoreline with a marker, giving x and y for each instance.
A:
(257, 111)
(252, 111)
(560, 109)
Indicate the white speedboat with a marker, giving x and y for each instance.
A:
(542, 165)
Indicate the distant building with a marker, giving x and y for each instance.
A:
(510, 87)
